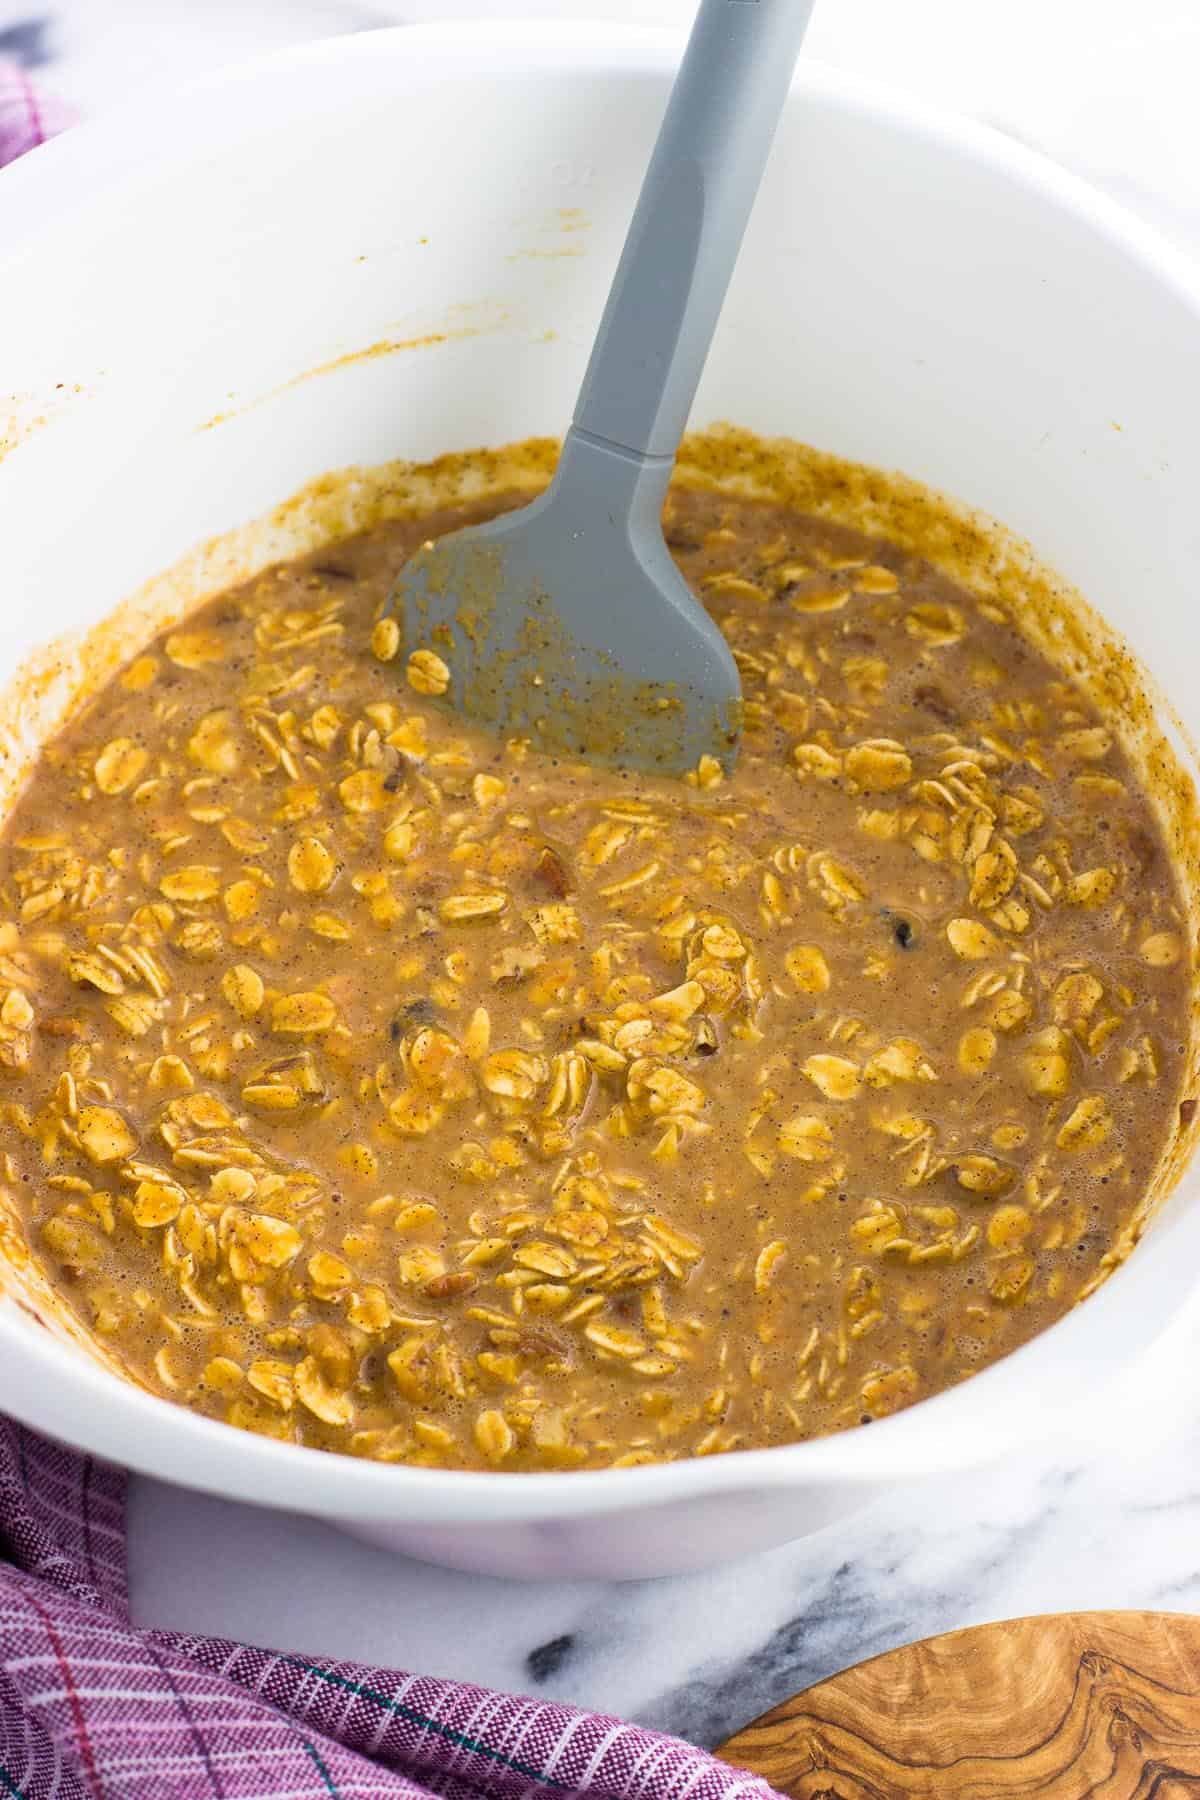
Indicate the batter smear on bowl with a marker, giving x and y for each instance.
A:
(376, 1085)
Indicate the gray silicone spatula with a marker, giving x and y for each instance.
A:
(567, 621)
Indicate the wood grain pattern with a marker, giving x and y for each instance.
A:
(1104, 1705)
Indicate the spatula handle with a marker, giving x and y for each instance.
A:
(692, 211)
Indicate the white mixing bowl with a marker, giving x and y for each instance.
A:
(914, 292)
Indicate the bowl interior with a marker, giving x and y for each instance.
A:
(392, 248)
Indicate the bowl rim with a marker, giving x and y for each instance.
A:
(55, 1389)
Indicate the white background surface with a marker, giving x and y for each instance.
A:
(1108, 89)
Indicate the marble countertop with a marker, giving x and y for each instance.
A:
(1107, 89)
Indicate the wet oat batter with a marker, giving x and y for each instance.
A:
(371, 1084)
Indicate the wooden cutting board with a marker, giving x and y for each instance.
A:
(1104, 1705)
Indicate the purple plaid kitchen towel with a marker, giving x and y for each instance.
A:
(27, 118)
(92, 1709)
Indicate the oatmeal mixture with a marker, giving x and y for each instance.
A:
(376, 1085)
